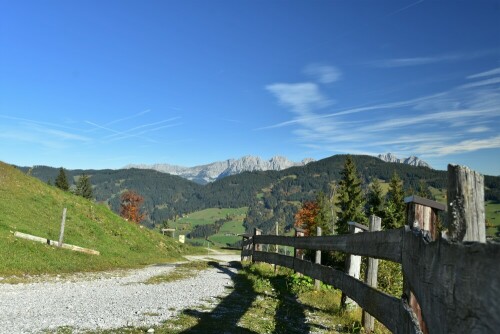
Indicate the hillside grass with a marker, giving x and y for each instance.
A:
(30, 206)
(228, 232)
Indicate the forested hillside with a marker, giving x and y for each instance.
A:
(272, 196)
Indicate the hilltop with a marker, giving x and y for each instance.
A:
(270, 195)
(31, 206)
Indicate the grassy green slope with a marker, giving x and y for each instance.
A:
(30, 206)
(227, 232)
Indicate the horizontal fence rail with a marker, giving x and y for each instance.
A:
(389, 310)
(382, 245)
(451, 282)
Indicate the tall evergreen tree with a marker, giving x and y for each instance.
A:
(395, 208)
(83, 186)
(324, 217)
(351, 201)
(61, 180)
(375, 200)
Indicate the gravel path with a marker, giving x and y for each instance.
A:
(107, 300)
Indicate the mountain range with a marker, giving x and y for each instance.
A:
(411, 160)
(204, 174)
(271, 196)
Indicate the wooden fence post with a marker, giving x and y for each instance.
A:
(466, 216)
(61, 233)
(276, 247)
(256, 247)
(371, 275)
(298, 253)
(317, 282)
(352, 267)
(421, 214)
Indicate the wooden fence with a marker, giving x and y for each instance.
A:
(450, 286)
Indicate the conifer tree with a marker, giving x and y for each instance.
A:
(394, 216)
(324, 216)
(351, 201)
(83, 186)
(61, 180)
(375, 199)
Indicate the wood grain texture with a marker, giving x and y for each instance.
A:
(456, 284)
(382, 245)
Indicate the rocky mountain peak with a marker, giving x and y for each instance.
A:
(411, 160)
(217, 170)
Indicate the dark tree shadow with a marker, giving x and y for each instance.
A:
(225, 316)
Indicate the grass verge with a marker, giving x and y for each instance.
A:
(181, 271)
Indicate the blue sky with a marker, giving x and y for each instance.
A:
(101, 84)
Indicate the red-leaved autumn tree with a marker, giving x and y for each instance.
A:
(305, 218)
(131, 203)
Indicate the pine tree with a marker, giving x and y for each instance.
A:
(351, 200)
(83, 187)
(61, 180)
(376, 199)
(324, 217)
(395, 208)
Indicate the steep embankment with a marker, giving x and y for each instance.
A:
(28, 205)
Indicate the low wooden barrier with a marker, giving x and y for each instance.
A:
(450, 286)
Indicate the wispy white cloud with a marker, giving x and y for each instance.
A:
(495, 71)
(426, 60)
(449, 122)
(322, 73)
(300, 97)
(128, 117)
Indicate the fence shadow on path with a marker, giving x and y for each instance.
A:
(290, 313)
(225, 316)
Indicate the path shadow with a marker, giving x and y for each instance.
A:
(290, 314)
(225, 316)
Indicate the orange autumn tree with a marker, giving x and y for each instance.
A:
(131, 203)
(305, 218)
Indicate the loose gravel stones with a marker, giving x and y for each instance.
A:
(106, 301)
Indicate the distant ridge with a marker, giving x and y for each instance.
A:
(411, 160)
(208, 173)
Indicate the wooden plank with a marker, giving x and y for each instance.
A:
(352, 268)
(457, 285)
(425, 202)
(246, 252)
(56, 243)
(383, 245)
(317, 260)
(371, 276)
(466, 215)
(61, 233)
(386, 308)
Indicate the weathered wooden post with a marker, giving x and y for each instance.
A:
(276, 247)
(246, 247)
(317, 260)
(61, 233)
(298, 253)
(255, 246)
(352, 265)
(466, 216)
(371, 275)
(421, 214)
